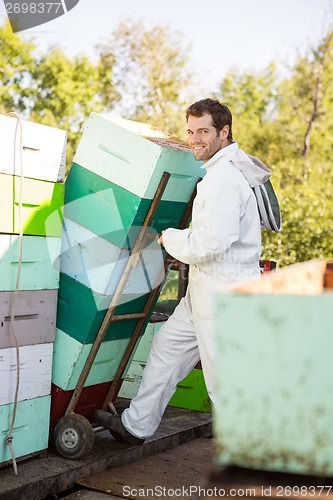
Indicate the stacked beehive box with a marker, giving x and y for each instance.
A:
(274, 403)
(31, 191)
(116, 172)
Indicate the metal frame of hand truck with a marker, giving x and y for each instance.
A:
(74, 434)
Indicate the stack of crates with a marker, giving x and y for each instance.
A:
(116, 171)
(29, 309)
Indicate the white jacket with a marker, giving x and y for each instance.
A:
(225, 238)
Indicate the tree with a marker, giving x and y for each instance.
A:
(16, 65)
(150, 70)
(50, 88)
(305, 172)
(288, 125)
(64, 92)
(308, 95)
(143, 74)
(253, 99)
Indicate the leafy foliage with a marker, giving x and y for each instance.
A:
(64, 92)
(150, 71)
(51, 88)
(288, 125)
(16, 63)
(144, 74)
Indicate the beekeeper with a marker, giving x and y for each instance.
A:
(222, 246)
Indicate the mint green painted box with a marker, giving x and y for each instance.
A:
(70, 356)
(31, 428)
(39, 200)
(37, 269)
(113, 212)
(81, 311)
(134, 156)
(274, 408)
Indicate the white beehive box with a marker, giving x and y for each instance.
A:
(99, 264)
(35, 372)
(44, 150)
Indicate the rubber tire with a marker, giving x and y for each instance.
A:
(74, 436)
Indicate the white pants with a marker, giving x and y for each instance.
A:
(185, 338)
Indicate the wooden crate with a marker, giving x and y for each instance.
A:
(112, 211)
(81, 311)
(133, 375)
(274, 395)
(134, 156)
(35, 372)
(34, 317)
(91, 398)
(40, 199)
(70, 356)
(31, 428)
(191, 393)
(43, 154)
(99, 265)
(38, 271)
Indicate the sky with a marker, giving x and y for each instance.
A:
(243, 34)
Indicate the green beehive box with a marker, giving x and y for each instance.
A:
(39, 200)
(70, 356)
(134, 156)
(116, 171)
(191, 393)
(111, 211)
(108, 192)
(36, 270)
(275, 391)
(31, 430)
(81, 311)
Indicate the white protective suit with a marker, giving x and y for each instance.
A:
(223, 246)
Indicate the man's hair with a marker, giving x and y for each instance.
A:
(220, 113)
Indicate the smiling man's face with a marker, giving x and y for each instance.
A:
(203, 137)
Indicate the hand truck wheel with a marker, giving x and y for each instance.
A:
(73, 436)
